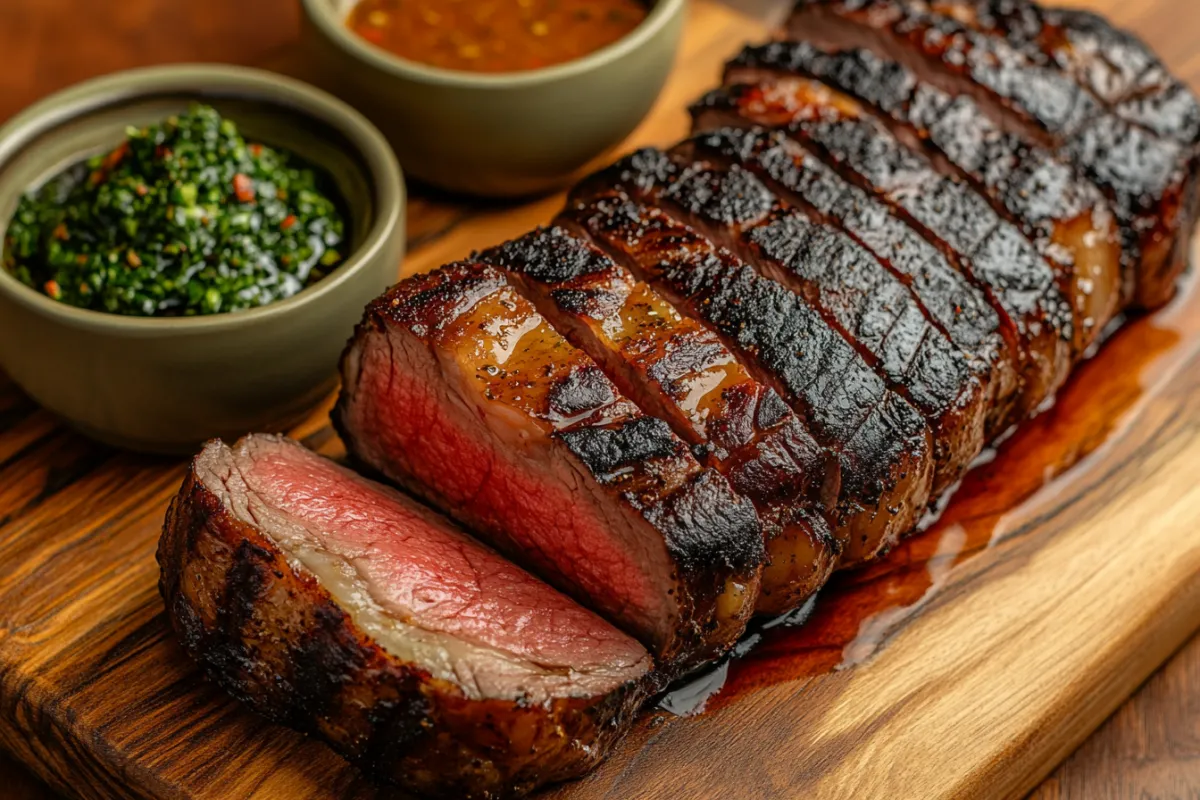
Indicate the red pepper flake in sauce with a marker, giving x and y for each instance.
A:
(372, 35)
(495, 35)
(116, 156)
(288, 222)
(243, 188)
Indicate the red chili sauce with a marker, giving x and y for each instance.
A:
(495, 35)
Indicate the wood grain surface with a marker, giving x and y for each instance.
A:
(1024, 650)
(1149, 749)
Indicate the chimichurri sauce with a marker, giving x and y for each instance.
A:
(183, 218)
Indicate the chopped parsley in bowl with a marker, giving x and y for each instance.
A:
(183, 218)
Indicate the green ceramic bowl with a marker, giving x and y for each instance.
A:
(498, 135)
(165, 385)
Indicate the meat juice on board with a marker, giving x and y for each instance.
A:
(860, 611)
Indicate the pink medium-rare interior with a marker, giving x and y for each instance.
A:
(424, 571)
(503, 475)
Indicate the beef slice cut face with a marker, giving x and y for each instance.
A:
(458, 389)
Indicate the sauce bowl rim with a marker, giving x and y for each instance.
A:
(321, 13)
(209, 81)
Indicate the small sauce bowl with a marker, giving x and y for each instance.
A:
(166, 384)
(497, 134)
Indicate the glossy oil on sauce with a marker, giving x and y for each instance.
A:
(495, 35)
(859, 612)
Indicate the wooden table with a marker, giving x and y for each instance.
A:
(1149, 749)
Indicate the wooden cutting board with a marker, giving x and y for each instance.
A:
(967, 665)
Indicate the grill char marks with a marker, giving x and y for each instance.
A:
(853, 292)
(1039, 101)
(1065, 216)
(1114, 66)
(953, 304)
(882, 441)
(680, 371)
(455, 387)
(1062, 79)
(281, 640)
(949, 214)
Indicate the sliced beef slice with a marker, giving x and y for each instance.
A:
(958, 308)
(873, 310)
(1112, 65)
(680, 371)
(949, 214)
(456, 388)
(1062, 79)
(341, 607)
(883, 442)
(1065, 216)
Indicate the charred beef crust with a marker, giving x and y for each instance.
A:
(1051, 103)
(874, 310)
(752, 426)
(1111, 64)
(585, 389)
(952, 216)
(785, 332)
(1117, 115)
(713, 534)
(276, 640)
(960, 310)
(609, 452)
(993, 253)
(1031, 182)
(696, 518)
(772, 325)
(851, 290)
(958, 307)
(881, 440)
(635, 459)
(677, 368)
(1068, 219)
